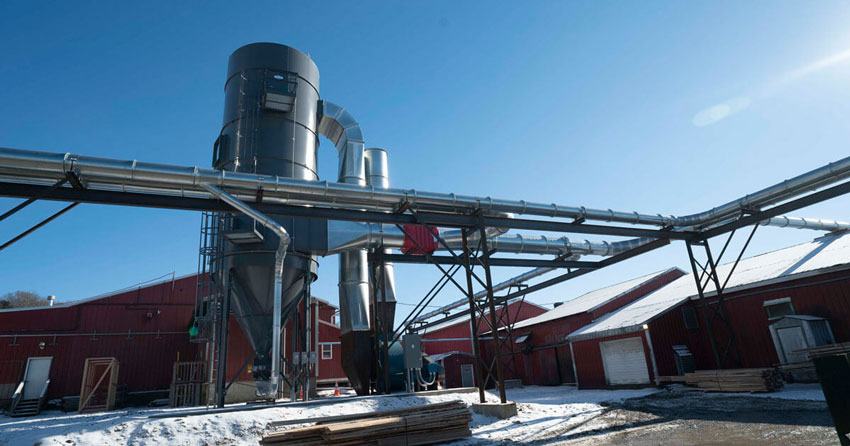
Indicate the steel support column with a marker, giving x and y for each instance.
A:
(494, 325)
(473, 309)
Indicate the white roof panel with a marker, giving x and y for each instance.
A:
(785, 264)
(592, 300)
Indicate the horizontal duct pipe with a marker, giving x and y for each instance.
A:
(344, 236)
(187, 181)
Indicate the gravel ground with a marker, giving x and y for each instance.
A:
(690, 418)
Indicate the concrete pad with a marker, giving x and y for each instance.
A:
(513, 383)
(498, 410)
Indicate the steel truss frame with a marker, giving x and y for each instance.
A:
(468, 259)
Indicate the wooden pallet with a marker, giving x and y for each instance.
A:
(435, 423)
(735, 380)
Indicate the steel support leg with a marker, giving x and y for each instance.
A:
(473, 310)
(494, 332)
(223, 331)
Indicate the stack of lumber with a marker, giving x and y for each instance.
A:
(735, 380)
(795, 367)
(824, 350)
(430, 424)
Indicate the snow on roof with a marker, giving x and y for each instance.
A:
(815, 257)
(465, 320)
(592, 300)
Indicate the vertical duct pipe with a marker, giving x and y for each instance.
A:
(377, 175)
(277, 287)
(338, 125)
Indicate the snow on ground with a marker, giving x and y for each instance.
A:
(542, 412)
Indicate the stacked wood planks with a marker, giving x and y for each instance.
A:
(434, 423)
(824, 350)
(735, 380)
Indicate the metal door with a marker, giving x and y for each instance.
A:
(467, 378)
(38, 372)
(624, 361)
(791, 339)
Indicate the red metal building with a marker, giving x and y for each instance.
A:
(451, 343)
(809, 282)
(146, 328)
(545, 357)
(456, 335)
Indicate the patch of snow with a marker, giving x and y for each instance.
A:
(540, 411)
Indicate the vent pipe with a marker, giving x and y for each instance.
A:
(50, 299)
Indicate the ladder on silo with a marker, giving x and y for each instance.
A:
(208, 294)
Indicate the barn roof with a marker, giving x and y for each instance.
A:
(590, 301)
(816, 257)
(465, 320)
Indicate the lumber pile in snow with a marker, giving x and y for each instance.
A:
(824, 350)
(735, 380)
(430, 424)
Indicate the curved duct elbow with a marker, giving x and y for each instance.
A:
(339, 126)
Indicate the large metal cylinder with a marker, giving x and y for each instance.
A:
(271, 99)
(270, 127)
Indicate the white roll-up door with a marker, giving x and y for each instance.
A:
(624, 361)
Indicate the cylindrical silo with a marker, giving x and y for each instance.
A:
(270, 123)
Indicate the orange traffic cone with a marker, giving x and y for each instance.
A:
(336, 388)
(439, 386)
(301, 394)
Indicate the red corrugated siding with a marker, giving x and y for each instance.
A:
(330, 368)
(146, 361)
(826, 295)
(451, 366)
(588, 358)
(543, 366)
(441, 344)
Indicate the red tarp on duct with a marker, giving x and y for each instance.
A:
(423, 238)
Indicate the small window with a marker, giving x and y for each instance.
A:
(689, 314)
(521, 339)
(327, 351)
(778, 308)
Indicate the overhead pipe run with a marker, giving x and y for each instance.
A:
(280, 256)
(134, 176)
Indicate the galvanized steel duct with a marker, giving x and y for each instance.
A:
(338, 125)
(277, 297)
(377, 174)
(134, 176)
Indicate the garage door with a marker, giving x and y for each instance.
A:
(624, 361)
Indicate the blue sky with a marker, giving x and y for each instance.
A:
(656, 107)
